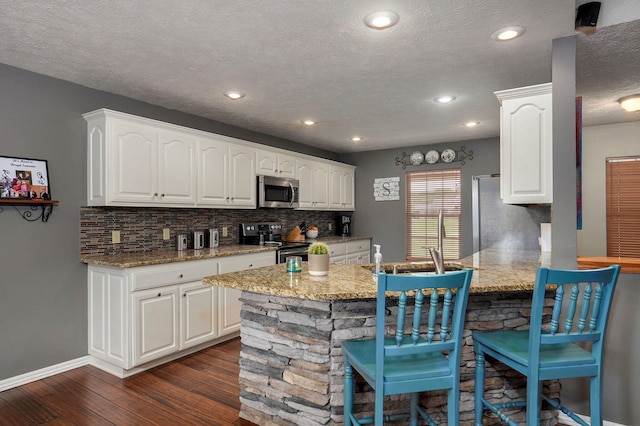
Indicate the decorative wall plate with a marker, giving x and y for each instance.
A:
(432, 157)
(448, 155)
(416, 158)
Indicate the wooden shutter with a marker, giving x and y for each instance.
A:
(428, 192)
(623, 207)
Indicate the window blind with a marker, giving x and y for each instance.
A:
(623, 207)
(428, 192)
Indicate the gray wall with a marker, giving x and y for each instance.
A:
(43, 307)
(385, 220)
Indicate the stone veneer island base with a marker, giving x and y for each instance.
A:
(291, 365)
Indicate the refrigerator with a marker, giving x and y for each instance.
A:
(504, 226)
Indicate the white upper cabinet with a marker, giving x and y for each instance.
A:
(526, 145)
(226, 174)
(136, 161)
(134, 164)
(341, 188)
(271, 163)
(314, 184)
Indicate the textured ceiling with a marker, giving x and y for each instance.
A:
(298, 59)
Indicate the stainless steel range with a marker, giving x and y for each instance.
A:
(270, 234)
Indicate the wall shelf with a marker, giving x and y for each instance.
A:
(46, 207)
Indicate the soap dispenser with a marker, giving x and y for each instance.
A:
(377, 258)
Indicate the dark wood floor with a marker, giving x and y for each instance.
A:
(199, 389)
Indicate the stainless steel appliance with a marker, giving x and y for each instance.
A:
(343, 225)
(212, 238)
(275, 192)
(270, 234)
(198, 240)
(181, 241)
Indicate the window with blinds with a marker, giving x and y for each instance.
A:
(623, 207)
(428, 192)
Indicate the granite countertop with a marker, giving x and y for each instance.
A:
(495, 271)
(158, 257)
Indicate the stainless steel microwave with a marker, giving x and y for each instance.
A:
(276, 192)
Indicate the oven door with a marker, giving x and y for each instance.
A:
(297, 251)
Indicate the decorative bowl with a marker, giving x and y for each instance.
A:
(312, 233)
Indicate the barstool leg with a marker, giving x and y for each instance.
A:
(348, 392)
(479, 386)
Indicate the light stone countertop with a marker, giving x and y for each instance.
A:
(494, 271)
(158, 257)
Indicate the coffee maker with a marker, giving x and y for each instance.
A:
(343, 225)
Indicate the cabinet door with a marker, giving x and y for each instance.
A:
(229, 305)
(348, 189)
(321, 182)
(242, 173)
(266, 163)
(213, 172)
(335, 188)
(156, 332)
(198, 314)
(306, 177)
(526, 145)
(177, 169)
(286, 166)
(134, 163)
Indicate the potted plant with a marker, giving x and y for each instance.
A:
(318, 259)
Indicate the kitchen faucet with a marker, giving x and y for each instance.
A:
(436, 253)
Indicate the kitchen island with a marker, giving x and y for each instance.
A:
(291, 366)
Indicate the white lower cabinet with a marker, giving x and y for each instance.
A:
(156, 318)
(352, 252)
(229, 304)
(143, 316)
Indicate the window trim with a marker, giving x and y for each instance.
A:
(422, 209)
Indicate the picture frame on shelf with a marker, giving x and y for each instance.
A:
(24, 179)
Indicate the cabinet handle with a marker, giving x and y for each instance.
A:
(180, 276)
(251, 265)
(162, 195)
(184, 295)
(155, 194)
(159, 294)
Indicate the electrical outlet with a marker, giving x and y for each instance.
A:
(330, 226)
(115, 237)
(166, 234)
(225, 231)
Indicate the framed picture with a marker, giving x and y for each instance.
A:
(24, 179)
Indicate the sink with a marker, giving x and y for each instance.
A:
(414, 268)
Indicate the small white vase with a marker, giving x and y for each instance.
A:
(318, 264)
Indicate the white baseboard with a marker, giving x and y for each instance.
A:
(564, 419)
(32, 376)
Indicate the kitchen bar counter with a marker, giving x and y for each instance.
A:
(293, 325)
(158, 257)
(495, 271)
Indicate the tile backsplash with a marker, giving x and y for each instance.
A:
(141, 228)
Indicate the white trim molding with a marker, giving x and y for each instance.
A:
(32, 376)
(566, 420)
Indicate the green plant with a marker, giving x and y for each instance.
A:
(318, 248)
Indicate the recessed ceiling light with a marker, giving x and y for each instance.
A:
(308, 122)
(381, 20)
(508, 33)
(445, 99)
(356, 138)
(471, 123)
(232, 94)
(630, 103)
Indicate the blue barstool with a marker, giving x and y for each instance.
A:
(425, 359)
(570, 345)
